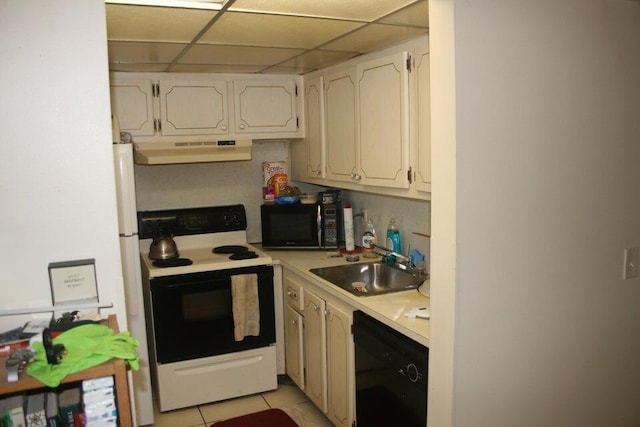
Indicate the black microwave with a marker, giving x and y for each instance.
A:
(301, 226)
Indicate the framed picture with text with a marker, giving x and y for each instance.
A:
(73, 282)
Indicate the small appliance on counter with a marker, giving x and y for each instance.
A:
(301, 226)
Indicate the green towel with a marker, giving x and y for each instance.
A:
(86, 346)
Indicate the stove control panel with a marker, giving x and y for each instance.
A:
(183, 222)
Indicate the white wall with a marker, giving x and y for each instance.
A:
(547, 143)
(56, 162)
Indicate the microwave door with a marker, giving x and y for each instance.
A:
(319, 222)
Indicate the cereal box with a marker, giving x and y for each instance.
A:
(274, 177)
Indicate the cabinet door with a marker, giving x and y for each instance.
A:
(340, 366)
(340, 107)
(265, 106)
(194, 107)
(315, 350)
(132, 102)
(294, 350)
(314, 117)
(383, 121)
(422, 122)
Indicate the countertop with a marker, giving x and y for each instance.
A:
(388, 308)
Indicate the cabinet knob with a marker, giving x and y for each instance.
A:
(356, 177)
(223, 127)
(315, 307)
(242, 126)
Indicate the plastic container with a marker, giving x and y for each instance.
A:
(308, 199)
(368, 239)
(393, 237)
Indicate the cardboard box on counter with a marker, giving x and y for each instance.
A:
(274, 177)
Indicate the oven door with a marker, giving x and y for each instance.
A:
(193, 317)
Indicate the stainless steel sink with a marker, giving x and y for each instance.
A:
(368, 279)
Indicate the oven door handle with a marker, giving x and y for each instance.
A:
(319, 223)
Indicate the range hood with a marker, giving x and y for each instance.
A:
(166, 153)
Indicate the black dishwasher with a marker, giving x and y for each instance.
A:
(391, 376)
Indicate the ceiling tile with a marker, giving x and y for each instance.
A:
(287, 70)
(364, 10)
(203, 68)
(250, 29)
(138, 68)
(415, 15)
(144, 52)
(163, 24)
(318, 59)
(237, 55)
(374, 36)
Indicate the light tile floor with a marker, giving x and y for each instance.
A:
(287, 397)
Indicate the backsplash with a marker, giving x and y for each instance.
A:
(228, 183)
(211, 184)
(412, 216)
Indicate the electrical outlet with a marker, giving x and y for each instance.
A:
(631, 259)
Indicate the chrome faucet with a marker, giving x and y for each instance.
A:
(406, 261)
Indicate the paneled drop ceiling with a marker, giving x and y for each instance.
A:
(258, 36)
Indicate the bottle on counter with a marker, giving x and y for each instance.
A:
(393, 237)
(368, 239)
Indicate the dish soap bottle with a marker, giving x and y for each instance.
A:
(393, 237)
(368, 239)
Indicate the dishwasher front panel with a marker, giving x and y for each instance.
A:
(391, 376)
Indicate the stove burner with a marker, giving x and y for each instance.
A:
(246, 254)
(229, 249)
(174, 262)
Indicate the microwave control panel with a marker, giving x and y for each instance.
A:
(330, 226)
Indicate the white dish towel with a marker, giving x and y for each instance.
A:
(245, 305)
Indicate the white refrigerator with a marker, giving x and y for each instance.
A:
(130, 253)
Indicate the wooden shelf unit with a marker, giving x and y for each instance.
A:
(114, 367)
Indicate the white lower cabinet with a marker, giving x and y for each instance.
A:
(318, 334)
(340, 365)
(294, 351)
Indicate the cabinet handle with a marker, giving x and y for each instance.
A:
(356, 177)
(242, 126)
(223, 127)
(292, 294)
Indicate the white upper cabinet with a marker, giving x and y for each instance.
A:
(422, 119)
(314, 117)
(265, 106)
(132, 102)
(383, 121)
(377, 124)
(340, 119)
(190, 107)
(183, 107)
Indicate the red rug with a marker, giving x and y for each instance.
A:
(268, 418)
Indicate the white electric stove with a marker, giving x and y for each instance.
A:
(191, 314)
